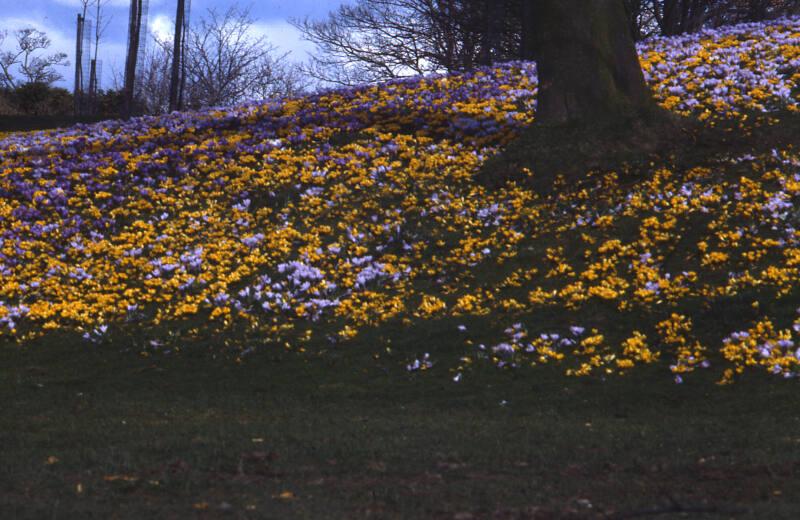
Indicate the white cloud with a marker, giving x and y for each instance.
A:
(111, 3)
(285, 37)
(111, 54)
(161, 26)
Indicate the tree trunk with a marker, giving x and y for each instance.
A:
(493, 13)
(587, 62)
(177, 59)
(594, 110)
(134, 32)
(78, 85)
(527, 41)
(92, 101)
(757, 10)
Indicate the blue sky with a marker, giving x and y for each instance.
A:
(57, 18)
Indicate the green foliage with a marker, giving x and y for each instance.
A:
(32, 107)
(7, 108)
(109, 103)
(39, 99)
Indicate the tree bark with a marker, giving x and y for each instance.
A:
(134, 32)
(78, 85)
(493, 13)
(177, 59)
(594, 110)
(587, 62)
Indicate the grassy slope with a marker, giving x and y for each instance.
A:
(351, 434)
(98, 433)
(196, 437)
(92, 432)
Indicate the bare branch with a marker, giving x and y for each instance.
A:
(26, 59)
(225, 63)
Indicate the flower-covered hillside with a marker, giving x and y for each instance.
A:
(306, 220)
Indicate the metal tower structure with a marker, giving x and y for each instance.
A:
(82, 63)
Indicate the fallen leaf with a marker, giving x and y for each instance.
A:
(123, 478)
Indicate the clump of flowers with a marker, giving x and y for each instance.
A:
(764, 346)
(308, 219)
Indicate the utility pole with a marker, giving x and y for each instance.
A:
(175, 83)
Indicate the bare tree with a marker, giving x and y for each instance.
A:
(378, 40)
(227, 64)
(153, 81)
(279, 78)
(4, 82)
(641, 18)
(372, 40)
(135, 17)
(100, 26)
(26, 63)
(672, 17)
(681, 16)
(178, 53)
(80, 38)
(734, 11)
(375, 40)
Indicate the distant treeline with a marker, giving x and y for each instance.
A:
(375, 40)
(36, 106)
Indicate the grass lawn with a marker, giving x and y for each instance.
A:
(349, 228)
(98, 433)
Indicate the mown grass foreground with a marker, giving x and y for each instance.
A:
(94, 433)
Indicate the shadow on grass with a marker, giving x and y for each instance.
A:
(559, 156)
